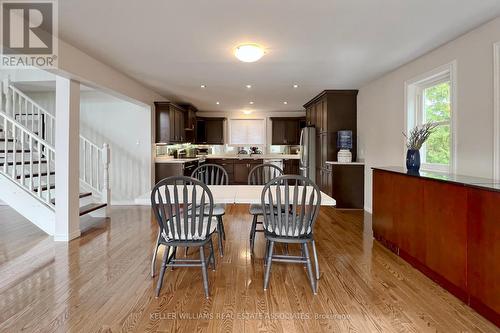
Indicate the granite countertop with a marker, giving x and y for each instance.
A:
(175, 160)
(255, 156)
(344, 163)
(469, 181)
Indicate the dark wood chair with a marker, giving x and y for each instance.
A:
(260, 175)
(292, 225)
(184, 227)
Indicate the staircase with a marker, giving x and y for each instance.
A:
(27, 162)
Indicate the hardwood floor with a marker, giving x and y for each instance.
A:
(100, 282)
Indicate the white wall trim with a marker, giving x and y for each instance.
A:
(450, 67)
(496, 111)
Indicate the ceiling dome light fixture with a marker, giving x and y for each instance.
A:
(249, 52)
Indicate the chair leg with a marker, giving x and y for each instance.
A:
(221, 248)
(267, 251)
(269, 263)
(162, 271)
(312, 280)
(315, 257)
(252, 233)
(204, 271)
(155, 251)
(174, 255)
(219, 221)
(212, 254)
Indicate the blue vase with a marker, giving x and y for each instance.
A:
(413, 160)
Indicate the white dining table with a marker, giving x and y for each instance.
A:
(239, 194)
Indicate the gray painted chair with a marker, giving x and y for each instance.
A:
(213, 174)
(260, 175)
(180, 227)
(292, 225)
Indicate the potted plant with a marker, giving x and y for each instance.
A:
(414, 141)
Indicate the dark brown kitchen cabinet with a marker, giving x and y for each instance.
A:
(330, 112)
(170, 123)
(210, 131)
(227, 164)
(286, 131)
(291, 167)
(242, 169)
(164, 170)
(189, 122)
(347, 183)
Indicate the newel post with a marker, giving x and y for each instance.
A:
(106, 190)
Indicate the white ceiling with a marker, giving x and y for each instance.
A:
(175, 46)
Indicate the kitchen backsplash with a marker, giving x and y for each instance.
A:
(163, 150)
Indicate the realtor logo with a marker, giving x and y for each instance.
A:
(28, 33)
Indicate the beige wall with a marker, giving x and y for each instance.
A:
(381, 106)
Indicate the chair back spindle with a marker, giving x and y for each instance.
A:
(291, 209)
(211, 174)
(263, 173)
(170, 200)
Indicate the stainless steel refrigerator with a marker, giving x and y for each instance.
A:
(307, 164)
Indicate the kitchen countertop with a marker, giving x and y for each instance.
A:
(469, 181)
(255, 156)
(175, 160)
(343, 163)
(229, 156)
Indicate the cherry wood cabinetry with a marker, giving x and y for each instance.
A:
(170, 123)
(330, 112)
(448, 230)
(286, 131)
(483, 252)
(210, 131)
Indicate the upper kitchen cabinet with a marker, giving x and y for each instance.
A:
(210, 131)
(170, 123)
(190, 122)
(286, 131)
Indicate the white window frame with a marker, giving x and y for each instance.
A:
(413, 101)
(496, 112)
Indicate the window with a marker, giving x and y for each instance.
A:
(247, 132)
(430, 99)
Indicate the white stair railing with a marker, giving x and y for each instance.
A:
(28, 113)
(22, 168)
(33, 118)
(94, 167)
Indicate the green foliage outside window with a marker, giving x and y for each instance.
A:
(437, 108)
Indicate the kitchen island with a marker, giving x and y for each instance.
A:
(445, 225)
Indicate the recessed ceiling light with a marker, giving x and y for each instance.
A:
(248, 86)
(217, 103)
(203, 86)
(295, 85)
(285, 102)
(251, 103)
(249, 52)
(247, 111)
